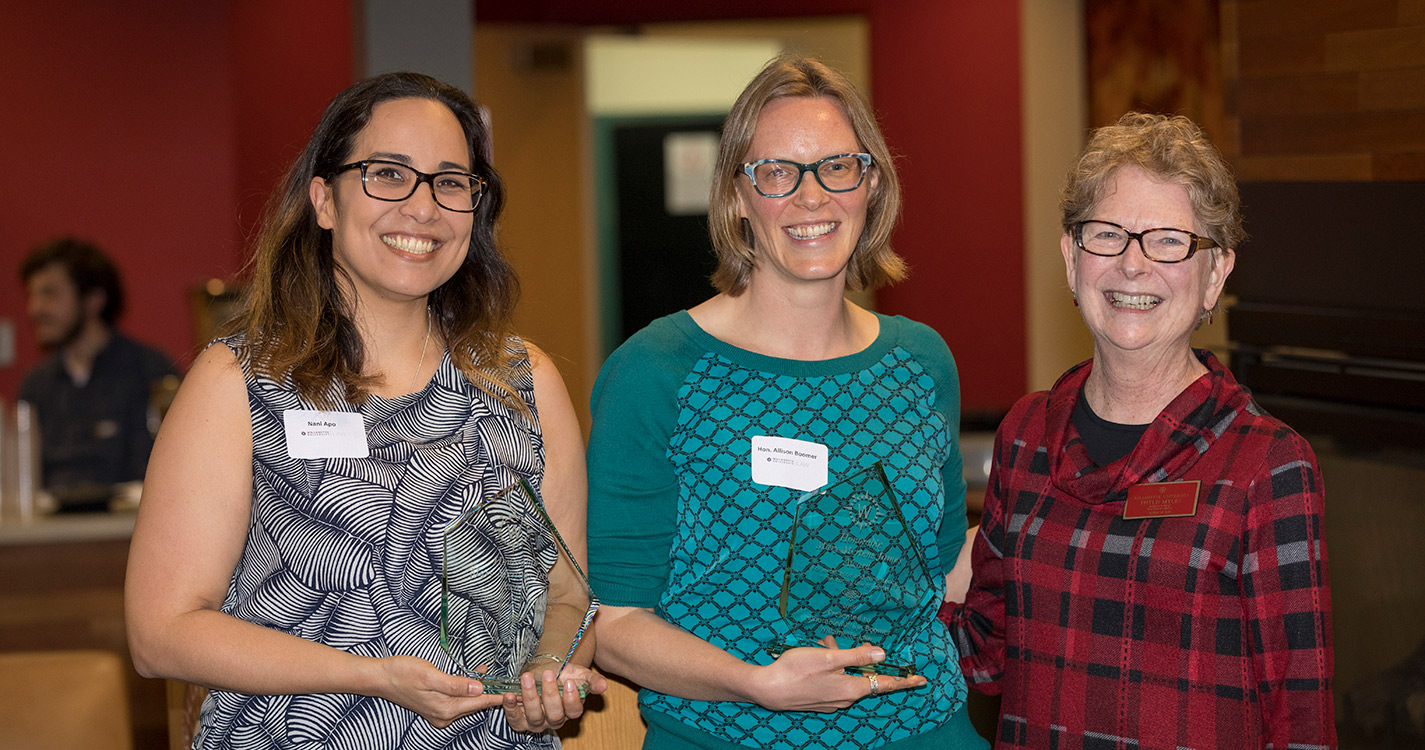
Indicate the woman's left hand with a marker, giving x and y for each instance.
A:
(554, 702)
(957, 581)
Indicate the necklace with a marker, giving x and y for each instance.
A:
(422, 362)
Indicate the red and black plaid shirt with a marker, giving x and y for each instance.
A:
(1211, 631)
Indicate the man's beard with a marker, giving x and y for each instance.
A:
(67, 337)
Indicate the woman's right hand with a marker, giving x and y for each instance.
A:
(813, 679)
(437, 697)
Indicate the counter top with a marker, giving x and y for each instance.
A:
(68, 527)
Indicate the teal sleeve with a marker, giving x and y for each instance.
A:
(932, 353)
(633, 492)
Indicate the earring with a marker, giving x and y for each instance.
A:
(1075, 298)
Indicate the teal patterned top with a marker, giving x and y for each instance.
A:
(677, 524)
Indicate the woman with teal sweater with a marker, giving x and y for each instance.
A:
(687, 536)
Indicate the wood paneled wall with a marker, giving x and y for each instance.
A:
(1326, 90)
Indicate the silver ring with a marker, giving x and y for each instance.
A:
(875, 684)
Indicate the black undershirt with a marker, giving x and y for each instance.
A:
(1105, 441)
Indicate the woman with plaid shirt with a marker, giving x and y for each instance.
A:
(1150, 571)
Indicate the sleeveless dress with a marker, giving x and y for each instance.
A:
(347, 552)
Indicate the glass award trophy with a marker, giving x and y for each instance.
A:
(512, 598)
(855, 572)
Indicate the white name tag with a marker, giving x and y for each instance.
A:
(325, 434)
(783, 462)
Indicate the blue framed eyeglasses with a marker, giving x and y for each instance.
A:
(778, 178)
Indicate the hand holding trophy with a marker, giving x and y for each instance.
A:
(512, 599)
(855, 573)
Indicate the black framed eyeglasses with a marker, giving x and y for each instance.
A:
(778, 178)
(384, 180)
(1160, 244)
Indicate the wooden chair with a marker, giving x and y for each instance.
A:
(184, 702)
(58, 700)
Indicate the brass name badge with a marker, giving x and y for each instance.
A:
(1162, 500)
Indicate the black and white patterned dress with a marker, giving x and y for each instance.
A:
(347, 551)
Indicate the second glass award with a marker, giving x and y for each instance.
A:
(512, 597)
(854, 571)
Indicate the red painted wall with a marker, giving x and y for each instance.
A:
(117, 127)
(945, 82)
(289, 60)
(155, 128)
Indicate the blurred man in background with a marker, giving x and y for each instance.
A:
(92, 396)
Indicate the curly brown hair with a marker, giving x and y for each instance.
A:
(87, 266)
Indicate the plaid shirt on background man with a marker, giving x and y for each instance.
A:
(1210, 631)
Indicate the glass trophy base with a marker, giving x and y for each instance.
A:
(511, 587)
(885, 668)
(855, 570)
(508, 686)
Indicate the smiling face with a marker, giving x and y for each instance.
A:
(807, 236)
(398, 250)
(1132, 304)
